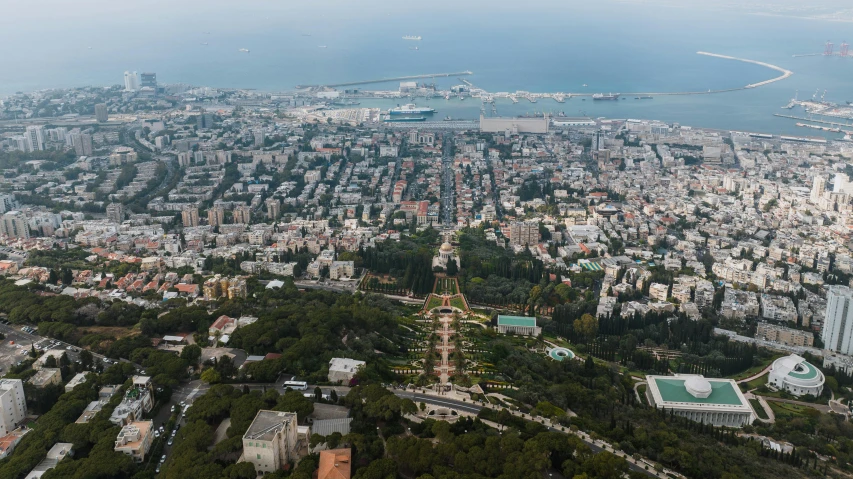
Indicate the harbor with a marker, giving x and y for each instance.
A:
(468, 88)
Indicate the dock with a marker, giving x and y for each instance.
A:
(825, 122)
(384, 80)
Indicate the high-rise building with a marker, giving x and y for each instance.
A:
(204, 121)
(101, 112)
(524, 233)
(35, 138)
(260, 138)
(115, 212)
(273, 208)
(818, 188)
(7, 203)
(148, 80)
(216, 216)
(19, 143)
(189, 215)
(14, 224)
(82, 143)
(131, 81)
(13, 405)
(242, 214)
(837, 331)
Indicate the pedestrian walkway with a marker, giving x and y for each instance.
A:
(756, 375)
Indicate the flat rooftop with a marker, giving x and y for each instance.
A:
(267, 423)
(529, 321)
(674, 390)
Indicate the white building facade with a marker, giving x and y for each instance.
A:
(837, 332)
(711, 401)
(797, 376)
(13, 405)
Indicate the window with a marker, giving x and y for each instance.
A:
(259, 456)
(264, 446)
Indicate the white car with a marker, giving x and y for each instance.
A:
(163, 459)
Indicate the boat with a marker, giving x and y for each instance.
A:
(446, 97)
(643, 97)
(205, 43)
(414, 48)
(244, 50)
(461, 97)
(411, 109)
(447, 118)
(605, 96)
(406, 119)
(322, 46)
(584, 84)
(412, 37)
(306, 34)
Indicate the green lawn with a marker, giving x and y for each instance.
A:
(755, 369)
(457, 302)
(642, 390)
(756, 406)
(756, 382)
(434, 302)
(789, 410)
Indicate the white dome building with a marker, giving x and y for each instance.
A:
(797, 376)
(445, 254)
(709, 400)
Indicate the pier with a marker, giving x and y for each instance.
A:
(561, 97)
(784, 73)
(392, 79)
(813, 120)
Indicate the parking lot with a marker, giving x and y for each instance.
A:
(19, 340)
(15, 347)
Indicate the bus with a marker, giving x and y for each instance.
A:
(297, 385)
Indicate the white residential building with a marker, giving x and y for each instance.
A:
(343, 369)
(271, 441)
(837, 332)
(13, 405)
(135, 439)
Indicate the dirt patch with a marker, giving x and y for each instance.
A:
(117, 332)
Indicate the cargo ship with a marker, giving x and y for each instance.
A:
(411, 109)
(607, 96)
(405, 119)
(412, 37)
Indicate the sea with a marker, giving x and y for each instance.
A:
(611, 46)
